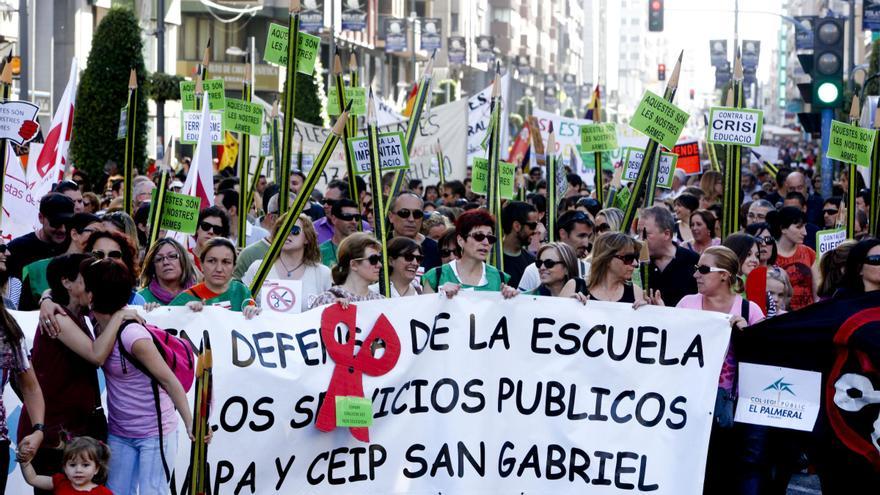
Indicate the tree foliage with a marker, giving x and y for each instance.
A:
(164, 87)
(873, 87)
(103, 91)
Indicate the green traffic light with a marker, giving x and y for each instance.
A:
(828, 92)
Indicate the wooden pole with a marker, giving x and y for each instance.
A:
(379, 228)
(552, 195)
(349, 160)
(852, 190)
(599, 180)
(493, 193)
(158, 208)
(289, 106)
(244, 162)
(130, 141)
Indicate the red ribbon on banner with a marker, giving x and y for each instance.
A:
(347, 379)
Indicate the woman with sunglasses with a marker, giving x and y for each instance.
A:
(556, 263)
(404, 258)
(122, 222)
(702, 224)
(299, 259)
(213, 222)
(168, 271)
(449, 249)
(359, 263)
(862, 272)
(615, 259)
(218, 288)
(117, 246)
(475, 236)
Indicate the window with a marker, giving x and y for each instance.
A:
(501, 14)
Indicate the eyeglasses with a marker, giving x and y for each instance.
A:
(627, 258)
(603, 227)
(549, 264)
(374, 259)
(348, 217)
(161, 259)
(706, 269)
(295, 230)
(208, 227)
(445, 253)
(116, 255)
(873, 260)
(409, 257)
(405, 213)
(480, 237)
(830, 211)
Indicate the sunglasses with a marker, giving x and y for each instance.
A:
(208, 227)
(766, 240)
(116, 255)
(445, 253)
(627, 258)
(531, 225)
(706, 269)
(873, 260)
(409, 257)
(56, 223)
(603, 227)
(348, 217)
(295, 230)
(405, 213)
(480, 237)
(547, 263)
(830, 211)
(328, 202)
(373, 259)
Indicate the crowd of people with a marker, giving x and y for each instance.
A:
(89, 263)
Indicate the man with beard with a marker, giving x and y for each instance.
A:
(51, 239)
(575, 229)
(519, 220)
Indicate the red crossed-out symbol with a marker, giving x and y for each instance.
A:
(347, 379)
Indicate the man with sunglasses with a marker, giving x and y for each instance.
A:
(336, 190)
(672, 266)
(343, 218)
(574, 229)
(50, 240)
(519, 220)
(406, 218)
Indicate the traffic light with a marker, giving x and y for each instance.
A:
(655, 15)
(661, 72)
(827, 70)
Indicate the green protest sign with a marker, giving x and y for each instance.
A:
(850, 143)
(243, 117)
(392, 153)
(659, 119)
(123, 123)
(735, 126)
(216, 94)
(180, 213)
(480, 178)
(827, 240)
(354, 412)
(621, 199)
(276, 48)
(666, 169)
(598, 137)
(358, 97)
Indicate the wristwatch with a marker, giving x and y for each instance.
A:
(39, 427)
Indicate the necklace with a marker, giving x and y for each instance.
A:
(290, 272)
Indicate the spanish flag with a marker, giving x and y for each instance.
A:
(594, 109)
(229, 152)
(411, 100)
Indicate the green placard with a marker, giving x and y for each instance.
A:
(181, 213)
(276, 48)
(598, 137)
(392, 153)
(354, 411)
(659, 119)
(740, 126)
(480, 178)
(827, 240)
(243, 117)
(850, 143)
(216, 94)
(621, 199)
(123, 123)
(357, 95)
(666, 170)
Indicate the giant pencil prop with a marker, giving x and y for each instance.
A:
(276, 144)
(130, 139)
(292, 214)
(349, 160)
(244, 162)
(379, 228)
(441, 168)
(645, 264)
(412, 126)
(552, 195)
(874, 184)
(5, 93)
(352, 127)
(852, 190)
(289, 107)
(710, 148)
(731, 201)
(158, 208)
(598, 180)
(198, 469)
(493, 193)
(653, 147)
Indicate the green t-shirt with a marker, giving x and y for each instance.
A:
(33, 276)
(248, 255)
(328, 253)
(148, 296)
(436, 277)
(232, 299)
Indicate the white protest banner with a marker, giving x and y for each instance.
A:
(21, 204)
(735, 126)
(14, 114)
(392, 154)
(444, 122)
(191, 121)
(281, 296)
(827, 240)
(567, 132)
(385, 113)
(531, 395)
(479, 113)
(778, 397)
(632, 161)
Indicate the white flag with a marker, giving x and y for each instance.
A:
(200, 178)
(55, 148)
